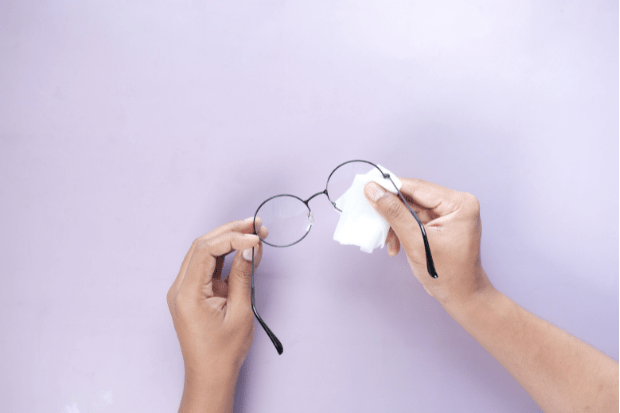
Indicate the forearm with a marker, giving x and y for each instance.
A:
(560, 372)
(208, 394)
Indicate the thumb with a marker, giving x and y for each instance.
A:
(392, 209)
(240, 279)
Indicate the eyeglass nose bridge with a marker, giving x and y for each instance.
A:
(323, 192)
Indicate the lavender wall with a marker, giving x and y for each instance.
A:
(127, 129)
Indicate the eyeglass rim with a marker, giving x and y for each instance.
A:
(277, 196)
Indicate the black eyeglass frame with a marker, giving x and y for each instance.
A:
(430, 266)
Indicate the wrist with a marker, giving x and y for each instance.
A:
(209, 390)
(212, 370)
(474, 306)
(211, 381)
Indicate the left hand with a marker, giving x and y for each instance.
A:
(213, 317)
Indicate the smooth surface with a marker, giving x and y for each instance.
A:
(127, 129)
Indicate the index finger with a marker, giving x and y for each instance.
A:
(439, 199)
(199, 275)
(244, 225)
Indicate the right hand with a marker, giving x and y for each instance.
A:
(453, 228)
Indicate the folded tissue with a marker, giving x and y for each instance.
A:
(359, 223)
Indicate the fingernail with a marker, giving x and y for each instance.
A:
(247, 254)
(374, 191)
(390, 247)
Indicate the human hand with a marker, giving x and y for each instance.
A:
(213, 318)
(559, 371)
(453, 229)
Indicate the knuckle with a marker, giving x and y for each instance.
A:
(183, 306)
(411, 184)
(203, 244)
(244, 277)
(170, 297)
(197, 242)
(472, 203)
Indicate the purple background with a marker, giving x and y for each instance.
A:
(129, 128)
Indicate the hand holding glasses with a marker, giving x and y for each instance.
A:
(289, 219)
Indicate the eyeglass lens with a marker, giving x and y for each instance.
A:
(343, 177)
(287, 218)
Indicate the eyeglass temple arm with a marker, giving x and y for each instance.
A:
(272, 336)
(430, 265)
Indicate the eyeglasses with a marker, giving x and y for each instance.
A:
(289, 218)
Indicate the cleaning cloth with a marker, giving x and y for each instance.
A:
(359, 223)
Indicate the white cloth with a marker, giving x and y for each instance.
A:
(359, 223)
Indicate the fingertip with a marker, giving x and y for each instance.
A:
(247, 254)
(396, 246)
(263, 232)
(251, 237)
(368, 188)
(257, 223)
(373, 191)
(393, 250)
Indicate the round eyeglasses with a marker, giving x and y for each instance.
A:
(289, 218)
